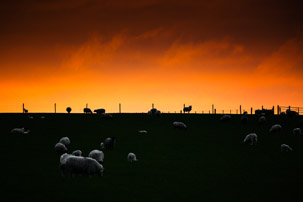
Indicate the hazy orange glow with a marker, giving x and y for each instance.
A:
(189, 59)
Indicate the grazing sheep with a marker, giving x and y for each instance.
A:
(251, 139)
(225, 118)
(60, 148)
(131, 157)
(187, 109)
(262, 119)
(102, 146)
(100, 111)
(244, 119)
(179, 125)
(68, 109)
(158, 113)
(87, 111)
(78, 165)
(65, 141)
(110, 142)
(19, 131)
(296, 131)
(106, 116)
(291, 113)
(285, 148)
(142, 131)
(25, 110)
(77, 153)
(154, 111)
(275, 128)
(97, 155)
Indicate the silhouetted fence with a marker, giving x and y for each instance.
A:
(284, 108)
(54, 108)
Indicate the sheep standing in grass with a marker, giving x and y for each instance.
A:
(262, 119)
(109, 142)
(100, 111)
(251, 139)
(65, 141)
(187, 109)
(275, 128)
(285, 148)
(131, 157)
(97, 155)
(142, 131)
(19, 131)
(87, 111)
(179, 125)
(60, 148)
(102, 146)
(296, 131)
(77, 153)
(78, 165)
(225, 118)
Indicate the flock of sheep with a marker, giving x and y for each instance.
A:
(75, 164)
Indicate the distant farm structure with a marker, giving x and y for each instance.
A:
(185, 109)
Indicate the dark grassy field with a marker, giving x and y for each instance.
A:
(207, 162)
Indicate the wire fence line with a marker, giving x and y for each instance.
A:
(61, 108)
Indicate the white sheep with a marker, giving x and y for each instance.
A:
(275, 128)
(77, 153)
(60, 148)
(180, 125)
(296, 131)
(65, 141)
(78, 165)
(97, 155)
(19, 131)
(131, 157)
(225, 117)
(262, 119)
(251, 139)
(142, 131)
(285, 148)
(102, 146)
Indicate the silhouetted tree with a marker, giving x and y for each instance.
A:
(68, 109)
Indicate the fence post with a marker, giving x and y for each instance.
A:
(55, 108)
(120, 108)
(23, 108)
(215, 111)
(278, 109)
(230, 111)
(212, 109)
(152, 105)
(289, 107)
(240, 109)
(251, 109)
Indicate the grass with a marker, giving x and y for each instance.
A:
(207, 162)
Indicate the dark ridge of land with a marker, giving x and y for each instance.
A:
(206, 162)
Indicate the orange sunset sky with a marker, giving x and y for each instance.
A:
(137, 52)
